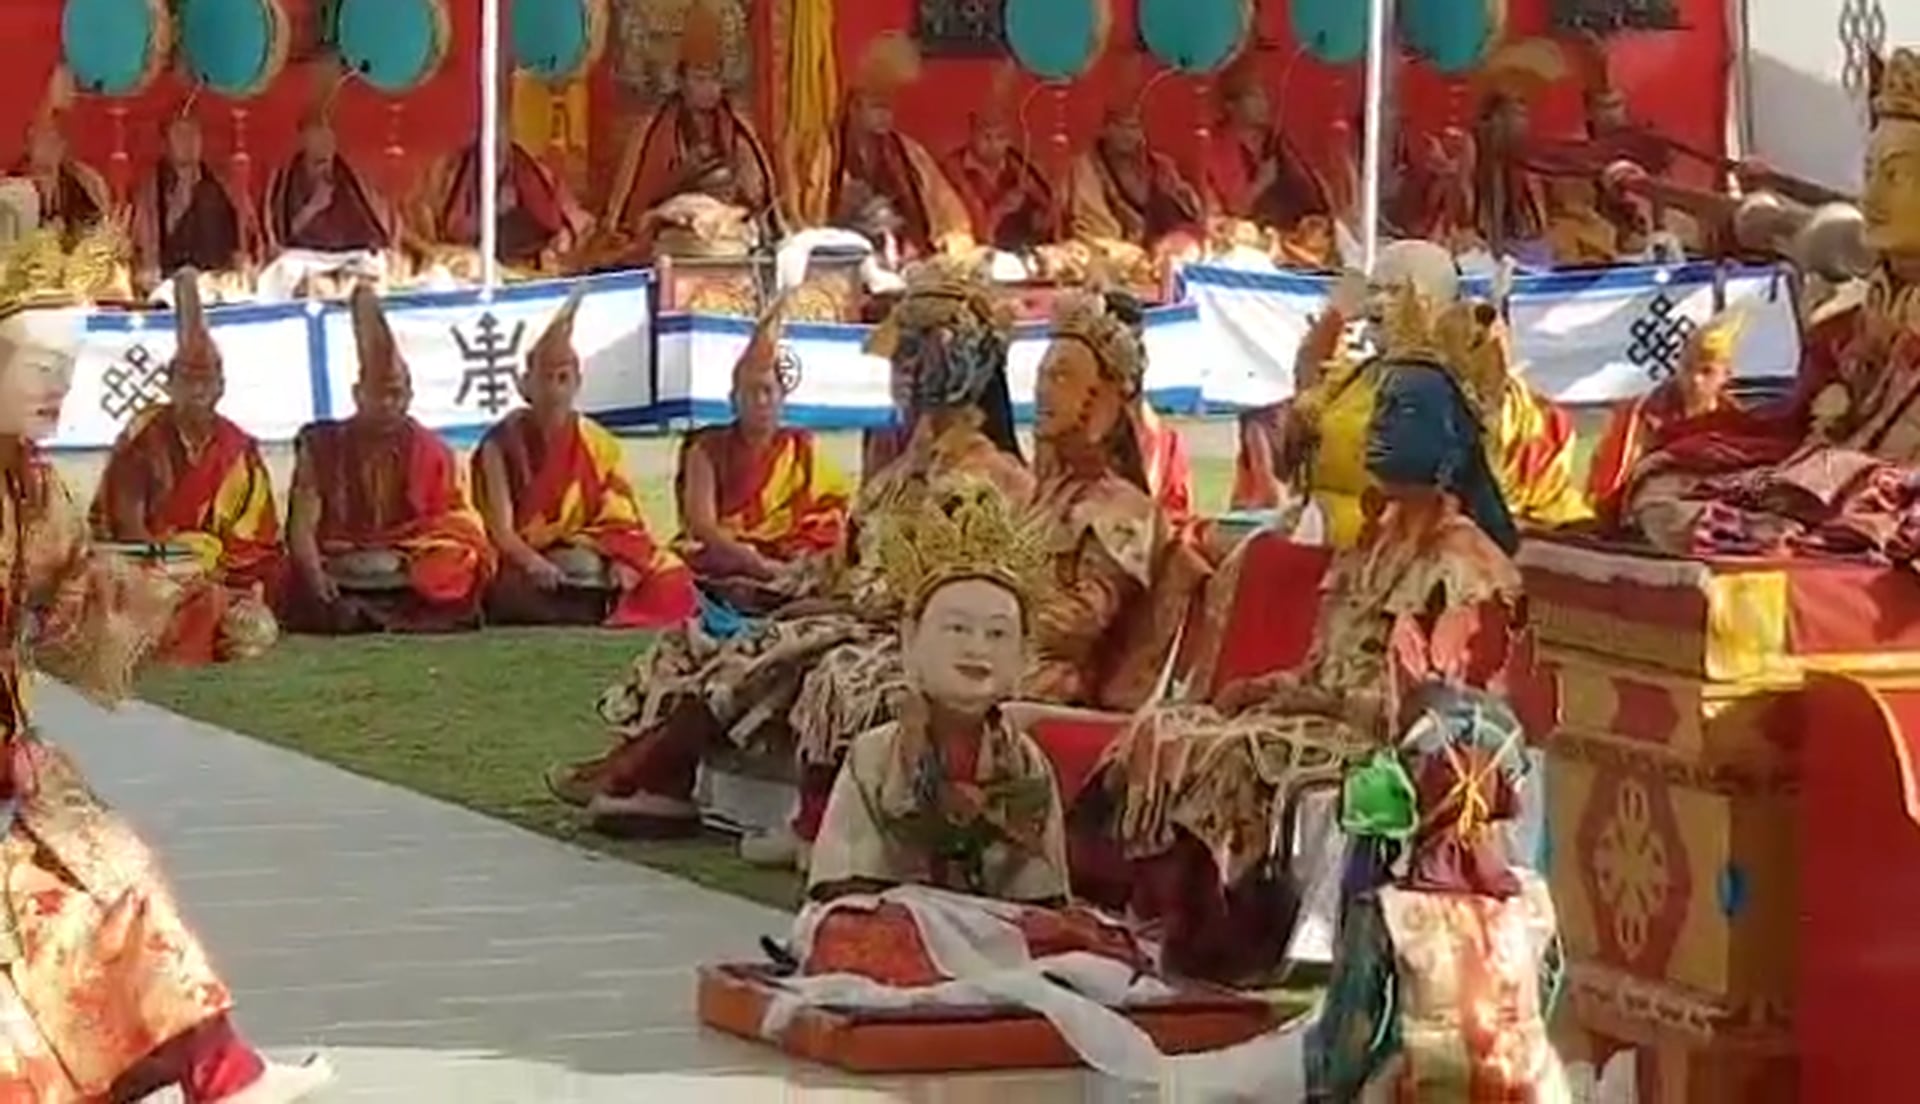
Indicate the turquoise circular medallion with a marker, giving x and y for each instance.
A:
(1057, 40)
(1195, 36)
(558, 40)
(1453, 36)
(395, 45)
(115, 47)
(1331, 31)
(234, 47)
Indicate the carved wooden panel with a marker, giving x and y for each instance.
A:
(960, 28)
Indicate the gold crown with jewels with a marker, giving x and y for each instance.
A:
(1083, 317)
(1898, 96)
(965, 529)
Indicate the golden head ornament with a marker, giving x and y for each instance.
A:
(966, 529)
(1890, 201)
(942, 293)
(1083, 317)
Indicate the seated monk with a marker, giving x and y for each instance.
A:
(872, 159)
(72, 193)
(380, 529)
(540, 222)
(184, 217)
(695, 131)
(755, 496)
(1122, 190)
(1638, 426)
(317, 201)
(1510, 208)
(1253, 172)
(573, 545)
(180, 474)
(1009, 201)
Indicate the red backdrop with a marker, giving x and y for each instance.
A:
(1676, 82)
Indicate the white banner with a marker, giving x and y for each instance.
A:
(1582, 337)
(841, 386)
(289, 364)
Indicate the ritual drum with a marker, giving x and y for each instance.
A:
(174, 560)
(1057, 40)
(558, 41)
(395, 45)
(1331, 31)
(1454, 36)
(115, 47)
(235, 47)
(1195, 36)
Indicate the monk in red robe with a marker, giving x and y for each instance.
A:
(1123, 190)
(72, 194)
(1253, 172)
(696, 131)
(573, 545)
(1011, 206)
(1640, 426)
(184, 217)
(871, 158)
(756, 496)
(318, 201)
(540, 222)
(182, 475)
(380, 529)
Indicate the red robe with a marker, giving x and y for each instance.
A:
(1232, 164)
(356, 219)
(210, 235)
(676, 142)
(566, 492)
(983, 189)
(399, 491)
(544, 214)
(784, 502)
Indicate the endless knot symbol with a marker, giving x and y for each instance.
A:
(134, 382)
(1631, 865)
(491, 359)
(1863, 36)
(1660, 338)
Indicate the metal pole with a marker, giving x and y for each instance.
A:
(1373, 167)
(490, 107)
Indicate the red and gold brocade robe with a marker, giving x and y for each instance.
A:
(1233, 161)
(398, 490)
(1140, 200)
(1635, 428)
(218, 501)
(1105, 536)
(101, 969)
(1537, 447)
(544, 219)
(573, 493)
(676, 143)
(787, 502)
(1010, 205)
(210, 235)
(893, 165)
(1169, 473)
(357, 218)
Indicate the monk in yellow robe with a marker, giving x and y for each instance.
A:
(182, 475)
(573, 546)
(184, 217)
(381, 531)
(695, 132)
(757, 496)
(1637, 426)
(72, 193)
(872, 159)
(1121, 189)
(317, 200)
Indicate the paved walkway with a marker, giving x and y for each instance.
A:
(442, 956)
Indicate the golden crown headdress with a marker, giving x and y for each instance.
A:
(942, 292)
(966, 529)
(1083, 317)
(1898, 96)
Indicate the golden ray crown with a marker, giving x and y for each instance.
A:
(966, 529)
(1899, 94)
(1721, 335)
(1084, 317)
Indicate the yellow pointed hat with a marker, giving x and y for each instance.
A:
(556, 342)
(194, 347)
(380, 360)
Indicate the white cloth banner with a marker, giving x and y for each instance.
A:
(1581, 337)
(289, 364)
(840, 385)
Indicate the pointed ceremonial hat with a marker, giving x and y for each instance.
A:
(890, 63)
(379, 353)
(194, 345)
(556, 342)
(703, 37)
(763, 355)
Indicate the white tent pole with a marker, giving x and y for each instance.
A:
(490, 108)
(1373, 166)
